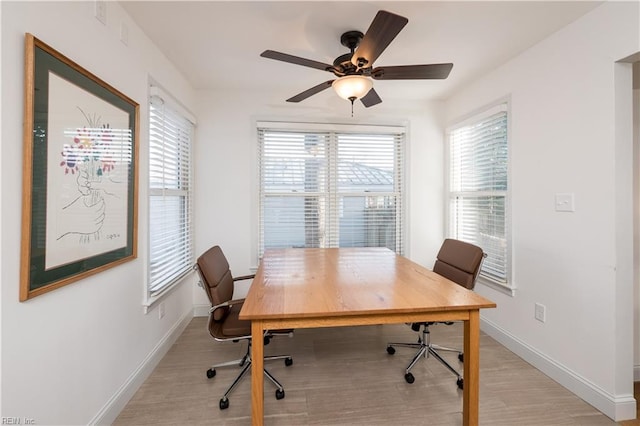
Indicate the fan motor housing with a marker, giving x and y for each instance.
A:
(350, 40)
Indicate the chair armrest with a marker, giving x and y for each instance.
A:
(227, 303)
(244, 277)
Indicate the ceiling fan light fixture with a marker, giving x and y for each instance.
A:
(351, 87)
(355, 72)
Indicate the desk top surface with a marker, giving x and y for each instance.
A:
(308, 283)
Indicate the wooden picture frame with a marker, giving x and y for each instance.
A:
(80, 173)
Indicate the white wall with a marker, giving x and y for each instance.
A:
(564, 139)
(75, 355)
(1, 214)
(636, 233)
(226, 201)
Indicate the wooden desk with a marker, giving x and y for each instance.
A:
(308, 288)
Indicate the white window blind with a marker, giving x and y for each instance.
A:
(330, 189)
(170, 193)
(478, 172)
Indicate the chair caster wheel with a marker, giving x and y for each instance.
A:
(288, 361)
(224, 403)
(461, 357)
(460, 383)
(391, 350)
(210, 373)
(279, 394)
(409, 378)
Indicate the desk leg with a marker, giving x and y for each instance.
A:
(471, 391)
(257, 376)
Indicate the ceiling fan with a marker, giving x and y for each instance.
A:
(355, 69)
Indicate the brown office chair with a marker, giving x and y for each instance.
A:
(224, 324)
(460, 262)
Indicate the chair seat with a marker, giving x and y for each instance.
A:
(232, 326)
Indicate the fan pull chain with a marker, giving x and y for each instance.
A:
(352, 99)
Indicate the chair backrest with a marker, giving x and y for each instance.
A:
(216, 279)
(459, 261)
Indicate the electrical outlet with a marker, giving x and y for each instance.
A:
(161, 310)
(541, 312)
(101, 11)
(565, 202)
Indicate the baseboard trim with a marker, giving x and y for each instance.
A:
(201, 310)
(617, 407)
(119, 400)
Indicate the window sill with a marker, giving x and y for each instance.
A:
(509, 291)
(151, 300)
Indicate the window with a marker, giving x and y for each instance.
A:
(331, 188)
(478, 179)
(170, 192)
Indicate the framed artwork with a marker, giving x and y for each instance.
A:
(79, 198)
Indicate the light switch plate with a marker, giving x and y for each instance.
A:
(565, 202)
(124, 34)
(540, 312)
(101, 11)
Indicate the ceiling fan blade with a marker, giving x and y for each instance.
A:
(310, 92)
(371, 99)
(383, 29)
(279, 56)
(412, 72)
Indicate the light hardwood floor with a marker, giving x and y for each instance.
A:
(344, 376)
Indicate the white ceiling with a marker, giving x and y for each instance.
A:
(216, 44)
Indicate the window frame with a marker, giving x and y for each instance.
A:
(478, 115)
(337, 129)
(185, 189)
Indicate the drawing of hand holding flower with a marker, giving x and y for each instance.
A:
(85, 215)
(89, 158)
